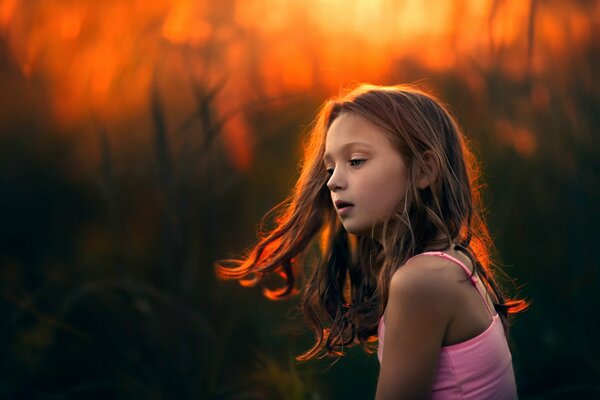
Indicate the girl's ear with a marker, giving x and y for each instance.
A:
(427, 172)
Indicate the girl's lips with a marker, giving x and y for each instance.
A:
(343, 211)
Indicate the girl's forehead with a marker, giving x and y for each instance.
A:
(347, 146)
(350, 130)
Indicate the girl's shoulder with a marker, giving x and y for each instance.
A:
(430, 268)
(428, 278)
(437, 266)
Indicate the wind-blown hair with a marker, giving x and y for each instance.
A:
(346, 292)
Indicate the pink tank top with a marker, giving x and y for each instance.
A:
(478, 368)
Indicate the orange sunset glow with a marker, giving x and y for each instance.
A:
(101, 59)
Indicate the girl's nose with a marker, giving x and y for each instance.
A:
(336, 181)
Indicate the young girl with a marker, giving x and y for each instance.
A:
(390, 189)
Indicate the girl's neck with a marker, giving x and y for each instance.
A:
(439, 243)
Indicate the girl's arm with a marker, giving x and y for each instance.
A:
(416, 317)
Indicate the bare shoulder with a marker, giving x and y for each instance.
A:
(424, 277)
(417, 315)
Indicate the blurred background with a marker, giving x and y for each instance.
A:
(141, 141)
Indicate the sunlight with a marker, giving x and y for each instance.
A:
(101, 59)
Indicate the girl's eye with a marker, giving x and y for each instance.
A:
(356, 163)
(329, 171)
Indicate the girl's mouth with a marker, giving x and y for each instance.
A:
(343, 211)
(343, 207)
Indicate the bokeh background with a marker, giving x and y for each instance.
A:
(141, 141)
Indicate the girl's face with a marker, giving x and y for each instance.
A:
(367, 174)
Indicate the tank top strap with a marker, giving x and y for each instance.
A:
(472, 277)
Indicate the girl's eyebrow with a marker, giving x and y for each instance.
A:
(327, 156)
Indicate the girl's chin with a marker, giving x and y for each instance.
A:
(364, 231)
(359, 230)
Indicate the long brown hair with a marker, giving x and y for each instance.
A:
(346, 292)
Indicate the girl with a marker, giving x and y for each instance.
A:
(390, 188)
